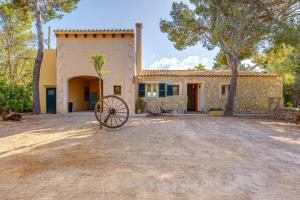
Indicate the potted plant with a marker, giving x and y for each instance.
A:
(216, 112)
(140, 105)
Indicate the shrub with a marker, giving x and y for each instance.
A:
(215, 109)
(140, 103)
(15, 97)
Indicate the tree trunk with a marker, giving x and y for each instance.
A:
(39, 58)
(10, 67)
(232, 61)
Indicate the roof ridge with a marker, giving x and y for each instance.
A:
(177, 73)
(91, 30)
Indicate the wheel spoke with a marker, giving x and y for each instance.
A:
(106, 119)
(122, 116)
(107, 108)
(121, 109)
(103, 108)
(111, 121)
(121, 112)
(106, 104)
(111, 111)
(112, 102)
(119, 105)
(115, 120)
(118, 118)
(104, 115)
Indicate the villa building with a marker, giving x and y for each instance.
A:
(67, 76)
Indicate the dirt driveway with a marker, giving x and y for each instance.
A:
(185, 157)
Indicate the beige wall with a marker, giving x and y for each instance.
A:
(253, 93)
(73, 61)
(76, 92)
(47, 75)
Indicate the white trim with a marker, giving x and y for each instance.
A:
(152, 89)
(225, 96)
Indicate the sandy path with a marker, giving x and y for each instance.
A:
(187, 157)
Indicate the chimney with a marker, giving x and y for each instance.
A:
(139, 61)
(49, 37)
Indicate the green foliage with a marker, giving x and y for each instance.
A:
(140, 104)
(44, 11)
(289, 34)
(199, 67)
(221, 60)
(234, 26)
(184, 30)
(53, 9)
(98, 61)
(215, 109)
(15, 97)
(283, 59)
(17, 43)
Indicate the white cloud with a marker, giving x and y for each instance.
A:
(176, 64)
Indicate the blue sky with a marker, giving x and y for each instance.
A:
(158, 51)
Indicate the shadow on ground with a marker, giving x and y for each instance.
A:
(183, 157)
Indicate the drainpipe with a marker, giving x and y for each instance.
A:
(139, 61)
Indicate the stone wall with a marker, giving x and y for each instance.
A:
(275, 103)
(175, 103)
(253, 92)
(296, 99)
(290, 114)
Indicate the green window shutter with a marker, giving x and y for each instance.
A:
(169, 90)
(142, 90)
(162, 90)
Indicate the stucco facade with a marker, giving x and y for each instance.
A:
(72, 66)
(73, 61)
(47, 75)
(68, 71)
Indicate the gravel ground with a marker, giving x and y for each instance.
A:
(179, 157)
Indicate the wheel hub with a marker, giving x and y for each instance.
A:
(112, 111)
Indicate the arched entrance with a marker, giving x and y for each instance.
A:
(83, 93)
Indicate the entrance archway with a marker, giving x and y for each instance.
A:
(83, 93)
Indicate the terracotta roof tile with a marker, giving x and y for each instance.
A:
(178, 73)
(65, 31)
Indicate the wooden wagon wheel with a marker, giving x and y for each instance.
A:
(112, 111)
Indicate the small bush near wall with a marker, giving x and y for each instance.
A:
(15, 97)
(290, 114)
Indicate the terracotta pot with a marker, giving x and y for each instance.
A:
(138, 111)
(216, 113)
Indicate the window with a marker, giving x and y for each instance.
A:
(175, 90)
(117, 90)
(151, 90)
(225, 90)
(51, 92)
(86, 93)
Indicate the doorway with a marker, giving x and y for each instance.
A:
(51, 100)
(192, 97)
(83, 93)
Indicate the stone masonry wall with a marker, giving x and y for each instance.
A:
(296, 99)
(290, 114)
(253, 93)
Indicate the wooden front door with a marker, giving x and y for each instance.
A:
(191, 97)
(51, 100)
